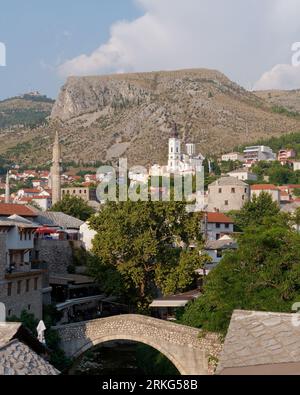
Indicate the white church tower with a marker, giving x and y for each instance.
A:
(174, 151)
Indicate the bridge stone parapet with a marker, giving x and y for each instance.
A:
(187, 348)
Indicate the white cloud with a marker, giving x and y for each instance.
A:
(282, 76)
(239, 38)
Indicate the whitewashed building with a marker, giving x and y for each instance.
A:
(272, 190)
(183, 163)
(217, 225)
(87, 236)
(233, 156)
(243, 175)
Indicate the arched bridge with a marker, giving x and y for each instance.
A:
(187, 348)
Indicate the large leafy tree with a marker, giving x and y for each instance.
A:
(74, 206)
(140, 247)
(256, 210)
(263, 274)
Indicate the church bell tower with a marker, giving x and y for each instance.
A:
(174, 151)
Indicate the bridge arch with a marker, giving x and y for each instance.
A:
(180, 344)
(172, 358)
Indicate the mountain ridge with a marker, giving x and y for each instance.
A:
(101, 118)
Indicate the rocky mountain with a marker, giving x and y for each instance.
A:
(130, 115)
(286, 99)
(24, 111)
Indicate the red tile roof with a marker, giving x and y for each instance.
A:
(264, 187)
(16, 209)
(218, 218)
(31, 190)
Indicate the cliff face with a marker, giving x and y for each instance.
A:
(129, 115)
(86, 95)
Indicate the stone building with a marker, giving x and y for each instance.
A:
(227, 194)
(20, 285)
(84, 193)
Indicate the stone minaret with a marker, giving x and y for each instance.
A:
(7, 189)
(174, 151)
(55, 172)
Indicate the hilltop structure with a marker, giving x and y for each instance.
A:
(55, 171)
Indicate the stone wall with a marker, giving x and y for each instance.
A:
(30, 301)
(57, 254)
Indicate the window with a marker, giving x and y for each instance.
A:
(218, 226)
(243, 197)
(21, 236)
(218, 237)
(220, 190)
(36, 284)
(227, 226)
(232, 190)
(19, 287)
(9, 313)
(246, 190)
(27, 285)
(9, 289)
(29, 307)
(226, 203)
(219, 254)
(171, 150)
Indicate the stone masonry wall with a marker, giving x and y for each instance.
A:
(57, 254)
(30, 301)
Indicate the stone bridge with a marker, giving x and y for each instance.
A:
(187, 348)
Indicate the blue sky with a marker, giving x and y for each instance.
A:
(40, 34)
(248, 40)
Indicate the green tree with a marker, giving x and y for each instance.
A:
(256, 210)
(139, 244)
(74, 206)
(181, 276)
(263, 275)
(296, 218)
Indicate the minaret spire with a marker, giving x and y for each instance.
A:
(7, 189)
(55, 171)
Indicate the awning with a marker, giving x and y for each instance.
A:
(46, 231)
